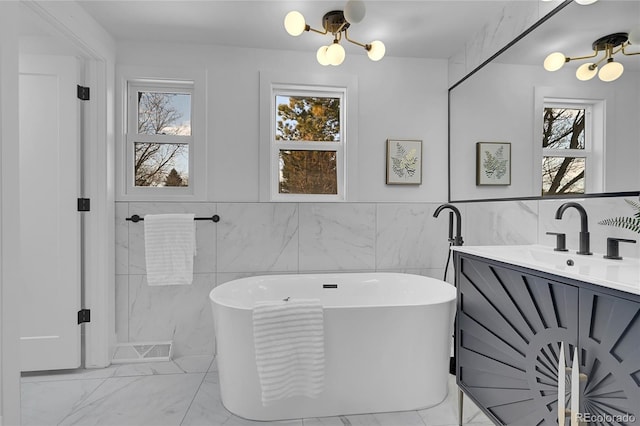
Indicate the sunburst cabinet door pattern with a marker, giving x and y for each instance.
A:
(510, 327)
(609, 348)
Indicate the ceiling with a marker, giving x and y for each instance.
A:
(417, 28)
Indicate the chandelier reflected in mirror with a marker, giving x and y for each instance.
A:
(611, 45)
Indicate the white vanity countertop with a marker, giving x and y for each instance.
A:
(623, 275)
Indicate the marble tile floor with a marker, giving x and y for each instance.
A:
(181, 392)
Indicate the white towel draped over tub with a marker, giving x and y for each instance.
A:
(289, 347)
(170, 244)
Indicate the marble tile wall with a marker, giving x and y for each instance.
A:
(270, 238)
(527, 222)
(500, 223)
(265, 238)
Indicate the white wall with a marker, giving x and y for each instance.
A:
(398, 98)
(492, 107)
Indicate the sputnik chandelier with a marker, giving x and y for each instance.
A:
(337, 23)
(610, 44)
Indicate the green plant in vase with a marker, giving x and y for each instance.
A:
(630, 223)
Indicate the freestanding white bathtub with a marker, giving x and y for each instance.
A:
(387, 340)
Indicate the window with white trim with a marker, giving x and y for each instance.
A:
(571, 149)
(159, 137)
(307, 139)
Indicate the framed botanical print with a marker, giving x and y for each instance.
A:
(493, 163)
(404, 162)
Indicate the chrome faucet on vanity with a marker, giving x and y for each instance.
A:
(584, 225)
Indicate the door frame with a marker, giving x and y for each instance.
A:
(9, 217)
(98, 50)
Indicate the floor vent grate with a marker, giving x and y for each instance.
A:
(142, 352)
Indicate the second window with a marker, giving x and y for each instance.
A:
(308, 143)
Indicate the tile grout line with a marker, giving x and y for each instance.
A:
(78, 404)
(204, 376)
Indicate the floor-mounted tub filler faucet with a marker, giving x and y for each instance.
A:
(457, 240)
(584, 225)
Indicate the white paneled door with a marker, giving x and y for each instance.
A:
(49, 220)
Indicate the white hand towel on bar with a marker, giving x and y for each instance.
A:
(289, 346)
(170, 244)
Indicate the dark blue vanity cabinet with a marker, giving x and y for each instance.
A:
(510, 325)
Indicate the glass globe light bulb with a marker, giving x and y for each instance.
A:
(321, 56)
(611, 71)
(376, 51)
(294, 23)
(634, 36)
(335, 54)
(586, 71)
(354, 11)
(554, 61)
(585, 2)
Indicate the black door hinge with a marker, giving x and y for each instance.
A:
(83, 93)
(84, 204)
(84, 315)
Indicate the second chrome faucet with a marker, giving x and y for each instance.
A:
(584, 225)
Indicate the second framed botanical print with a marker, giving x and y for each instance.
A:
(493, 163)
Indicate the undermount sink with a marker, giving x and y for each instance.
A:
(622, 274)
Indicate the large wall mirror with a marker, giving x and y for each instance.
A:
(506, 100)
